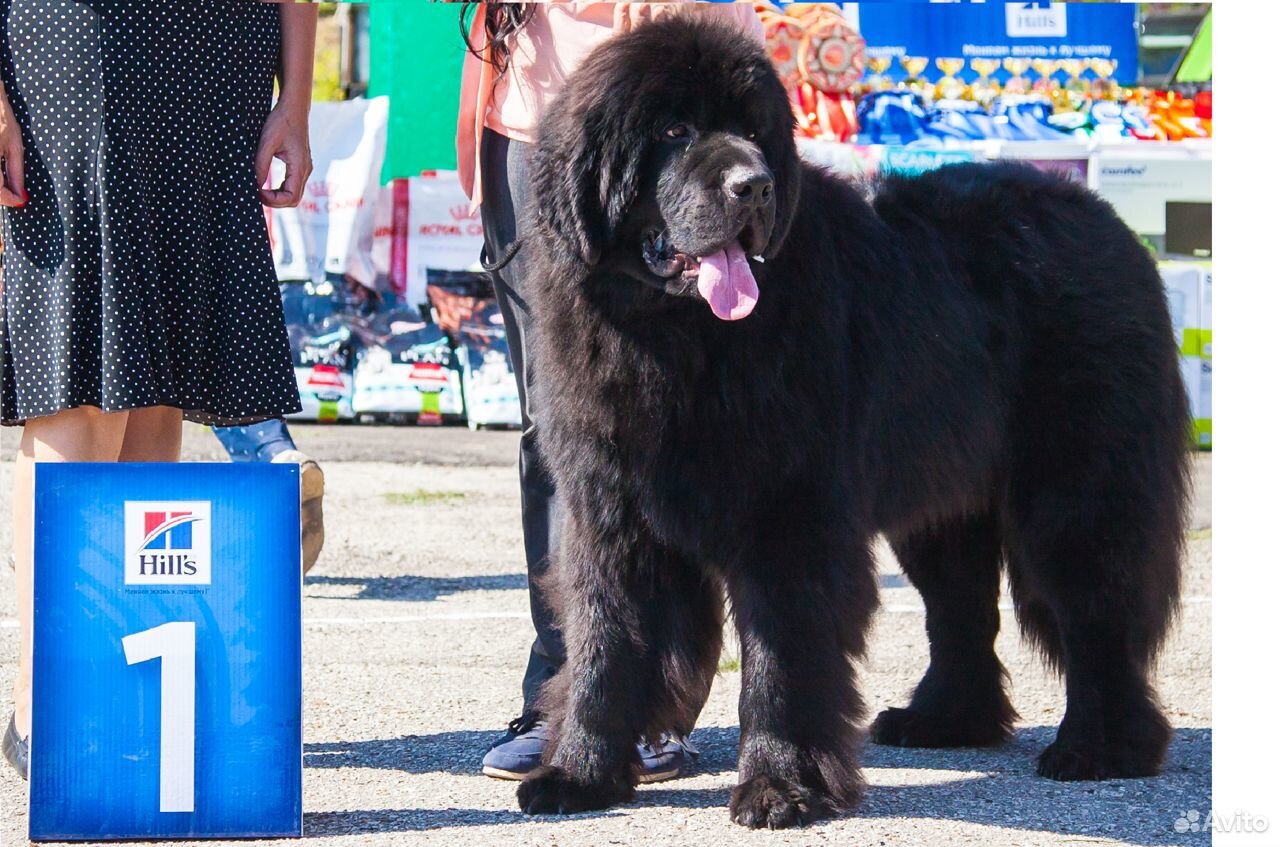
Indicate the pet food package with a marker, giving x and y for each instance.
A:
(1189, 288)
(308, 304)
(323, 355)
(1202, 410)
(1202, 407)
(1197, 379)
(331, 230)
(443, 231)
(1182, 288)
(488, 380)
(406, 372)
(1206, 314)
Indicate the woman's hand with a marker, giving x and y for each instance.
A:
(284, 137)
(13, 191)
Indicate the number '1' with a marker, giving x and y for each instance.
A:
(174, 644)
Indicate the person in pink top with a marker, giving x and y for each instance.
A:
(519, 55)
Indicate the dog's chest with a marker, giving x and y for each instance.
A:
(717, 450)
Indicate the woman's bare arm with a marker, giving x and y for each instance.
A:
(284, 136)
(297, 53)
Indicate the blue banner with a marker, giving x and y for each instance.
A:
(168, 674)
(999, 30)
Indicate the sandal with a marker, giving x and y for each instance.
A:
(17, 751)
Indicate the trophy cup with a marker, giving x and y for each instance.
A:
(1018, 83)
(949, 87)
(1106, 87)
(914, 66)
(1045, 69)
(878, 65)
(1074, 69)
(1072, 95)
(985, 89)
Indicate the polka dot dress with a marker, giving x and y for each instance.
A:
(139, 272)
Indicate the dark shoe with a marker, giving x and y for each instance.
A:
(518, 751)
(16, 750)
(665, 758)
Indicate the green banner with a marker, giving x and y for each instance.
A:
(1197, 64)
(415, 57)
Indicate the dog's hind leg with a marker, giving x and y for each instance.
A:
(1095, 576)
(961, 701)
(801, 615)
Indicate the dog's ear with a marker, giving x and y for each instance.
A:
(586, 174)
(784, 160)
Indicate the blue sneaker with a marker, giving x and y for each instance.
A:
(665, 758)
(519, 751)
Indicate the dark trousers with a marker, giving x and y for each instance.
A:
(504, 172)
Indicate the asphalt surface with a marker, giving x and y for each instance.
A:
(415, 636)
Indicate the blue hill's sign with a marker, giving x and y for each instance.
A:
(1000, 30)
(167, 679)
(1035, 30)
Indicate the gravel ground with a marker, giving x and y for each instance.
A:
(416, 631)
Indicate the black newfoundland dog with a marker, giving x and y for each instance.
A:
(750, 367)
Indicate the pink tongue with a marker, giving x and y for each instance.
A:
(725, 281)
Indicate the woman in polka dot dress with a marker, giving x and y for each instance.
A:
(138, 282)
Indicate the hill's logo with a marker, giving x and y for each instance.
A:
(1035, 20)
(166, 542)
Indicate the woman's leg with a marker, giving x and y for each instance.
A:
(508, 204)
(507, 189)
(83, 434)
(153, 435)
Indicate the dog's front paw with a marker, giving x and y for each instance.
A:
(1066, 763)
(549, 790)
(776, 803)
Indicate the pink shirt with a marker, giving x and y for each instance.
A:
(556, 38)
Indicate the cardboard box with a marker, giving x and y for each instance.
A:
(1138, 180)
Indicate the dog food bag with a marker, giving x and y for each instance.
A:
(1188, 287)
(406, 372)
(1202, 407)
(488, 380)
(323, 355)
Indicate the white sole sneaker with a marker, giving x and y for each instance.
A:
(499, 773)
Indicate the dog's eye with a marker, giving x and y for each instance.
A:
(677, 131)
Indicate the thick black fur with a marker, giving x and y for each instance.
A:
(978, 362)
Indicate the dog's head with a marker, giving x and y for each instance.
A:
(670, 158)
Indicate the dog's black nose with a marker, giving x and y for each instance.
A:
(749, 185)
